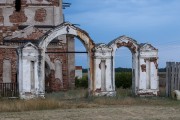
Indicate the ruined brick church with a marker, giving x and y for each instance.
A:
(36, 52)
(29, 24)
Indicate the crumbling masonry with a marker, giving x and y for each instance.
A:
(27, 45)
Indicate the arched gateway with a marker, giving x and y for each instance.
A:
(133, 46)
(31, 75)
(31, 67)
(144, 65)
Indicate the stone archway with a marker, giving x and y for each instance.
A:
(133, 46)
(68, 29)
(144, 65)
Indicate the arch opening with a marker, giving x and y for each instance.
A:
(70, 31)
(123, 70)
(81, 65)
(132, 45)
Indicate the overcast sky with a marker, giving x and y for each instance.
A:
(148, 21)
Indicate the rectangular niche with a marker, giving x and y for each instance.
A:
(6, 71)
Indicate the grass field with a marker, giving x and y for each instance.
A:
(99, 113)
(78, 98)
(76, 105)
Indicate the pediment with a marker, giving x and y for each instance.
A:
(28, 33)
(147, 47)
(123, 39)
(29, 45)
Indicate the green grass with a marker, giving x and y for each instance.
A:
(123, 79)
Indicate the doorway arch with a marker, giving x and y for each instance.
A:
(133, 46)
(68, 29)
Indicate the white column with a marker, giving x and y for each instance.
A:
(103, 71)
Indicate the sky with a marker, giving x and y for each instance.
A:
(156, 22)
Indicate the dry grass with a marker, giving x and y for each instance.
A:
(78, 99)
(22, 105)
(71, 94)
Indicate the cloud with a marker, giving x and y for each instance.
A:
(152, 21)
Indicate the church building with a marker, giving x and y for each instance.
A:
(29, 24)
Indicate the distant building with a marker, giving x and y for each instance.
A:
(78, 72)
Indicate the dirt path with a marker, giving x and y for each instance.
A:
(105, 113)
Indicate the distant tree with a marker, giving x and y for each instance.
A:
(162, 69)
(123, 69)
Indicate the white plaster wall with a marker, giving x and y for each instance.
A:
(148, 74)
(108, 81)
(154, 77)
(26, 76)
(28, 55)
(7, 11)
(142, 81)
(151, 73)
(97, 72)
(103, 53)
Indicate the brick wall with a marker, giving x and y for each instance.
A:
(1, 16)
(34, 13)
(9, 54)
(54, 84)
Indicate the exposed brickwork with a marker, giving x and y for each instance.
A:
(1, 38)
(23, 2)
(143, 68)
(155, 61)
(1, 16)
(35, 35)
(55, 84)
(8, 30)
(129, 44)
(54, 2)
(18, 17)
(40, 15)
(8, 53)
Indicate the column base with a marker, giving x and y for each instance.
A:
(148, 92)
(30, 95)
(105, 93)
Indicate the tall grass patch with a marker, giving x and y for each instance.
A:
(123, 80)
(27, 105)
